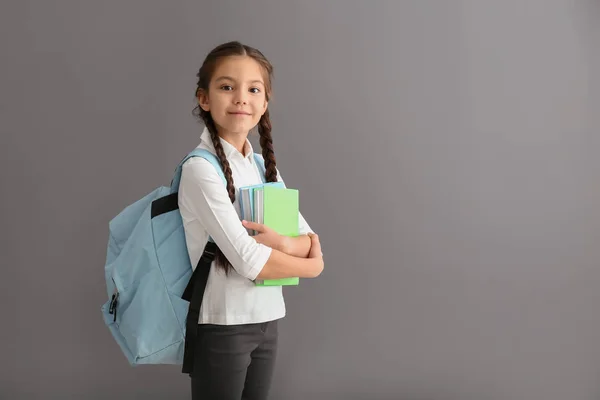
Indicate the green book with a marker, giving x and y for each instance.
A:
(278, 208)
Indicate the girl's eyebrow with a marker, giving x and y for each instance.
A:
(224, 78)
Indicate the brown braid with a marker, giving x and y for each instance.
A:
(220, 258)
(214, 135)
(266, 143)
(264, 126)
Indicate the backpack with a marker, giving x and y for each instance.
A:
(153, 296)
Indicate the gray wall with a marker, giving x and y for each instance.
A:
(453, 178)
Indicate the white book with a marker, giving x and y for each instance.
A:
(258, 205)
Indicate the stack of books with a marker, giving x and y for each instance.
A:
(277, 207)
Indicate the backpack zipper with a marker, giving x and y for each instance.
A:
(112, 309)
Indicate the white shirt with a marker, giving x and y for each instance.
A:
(206, 210)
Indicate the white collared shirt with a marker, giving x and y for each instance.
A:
(207, 210)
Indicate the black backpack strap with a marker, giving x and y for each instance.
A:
(194, 293)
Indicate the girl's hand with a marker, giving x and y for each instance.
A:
(267, 236)
(316, 253)
(315, 246)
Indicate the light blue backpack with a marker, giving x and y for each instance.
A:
(147, 271)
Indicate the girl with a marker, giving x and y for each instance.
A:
(236, 342)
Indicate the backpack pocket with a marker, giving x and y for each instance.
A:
(148, 320)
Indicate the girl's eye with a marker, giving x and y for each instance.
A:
(226, 87)
(255, 90)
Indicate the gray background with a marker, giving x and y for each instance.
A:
(446, 152)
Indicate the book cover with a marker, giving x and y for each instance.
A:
(246, 195)
(278, 208)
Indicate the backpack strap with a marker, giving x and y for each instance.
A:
(207, 155)
(194, 293)
(194, 290)
(260, 161)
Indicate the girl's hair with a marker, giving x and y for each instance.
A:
(204, 75)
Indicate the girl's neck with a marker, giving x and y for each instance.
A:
(237, 140)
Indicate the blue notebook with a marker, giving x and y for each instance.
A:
(247, 201)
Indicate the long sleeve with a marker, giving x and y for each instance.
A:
(203, 196)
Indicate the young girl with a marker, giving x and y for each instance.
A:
(236, 342)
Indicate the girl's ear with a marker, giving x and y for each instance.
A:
(203, 100)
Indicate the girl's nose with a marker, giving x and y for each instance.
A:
(240, 98)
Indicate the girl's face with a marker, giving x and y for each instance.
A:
(236, 95)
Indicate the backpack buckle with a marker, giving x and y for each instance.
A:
(210, 249)
(210, 253)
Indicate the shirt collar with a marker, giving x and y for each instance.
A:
(228, 148)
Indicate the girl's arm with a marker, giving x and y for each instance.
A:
(281, 265)
(297, 246)
(203, 196)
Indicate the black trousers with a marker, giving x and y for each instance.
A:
(234, 362)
